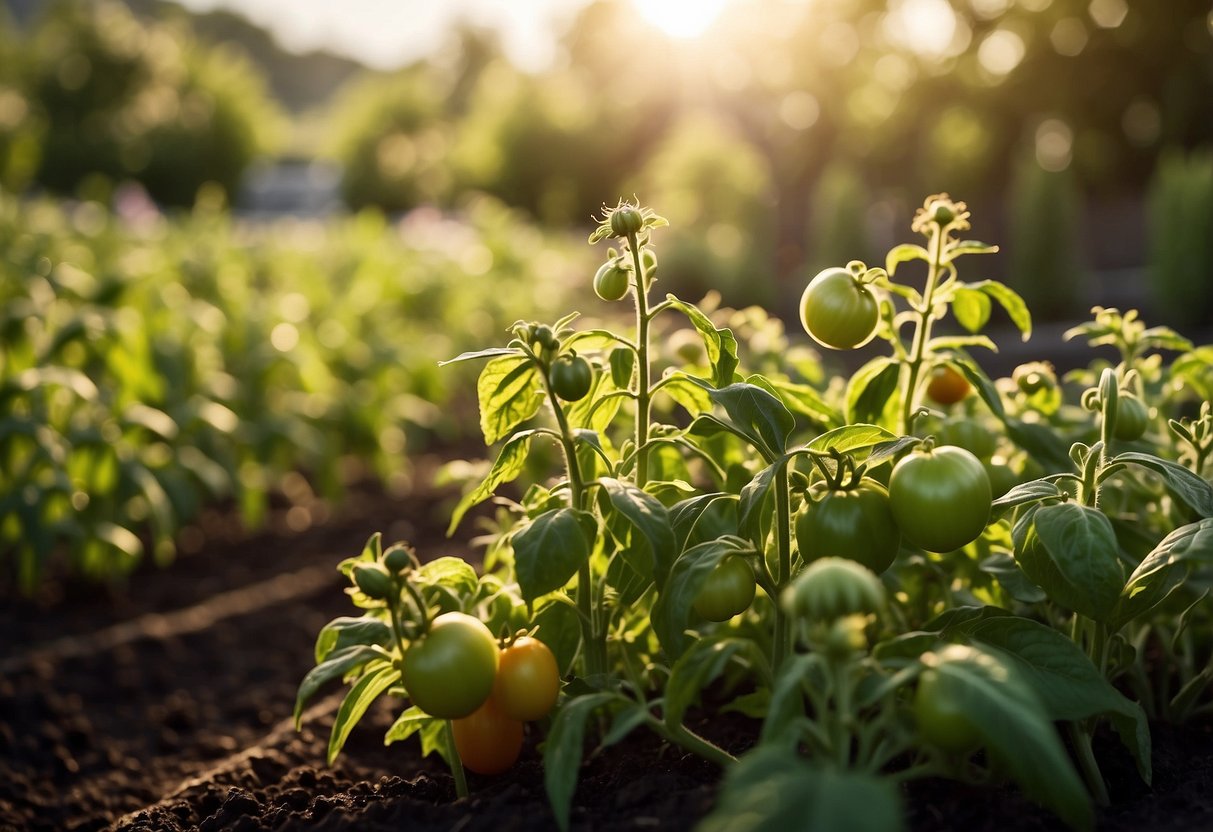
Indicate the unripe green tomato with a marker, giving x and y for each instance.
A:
(941, 720)
(1132, 418)
(941, 211)
(449, 672)
(728, 590)
(838, 311)
(571, 377)
(611, 281)
(940, 498)
(1034, 377)
(969, 434)
(397, 560)
(545, 337)
(373, 581)
(857, 524)
(626, 220)
(834, 587)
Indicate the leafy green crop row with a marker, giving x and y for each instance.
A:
(150, 366)
(892, 572)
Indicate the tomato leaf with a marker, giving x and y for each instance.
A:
(451, 572)
(347, 631)
(1010, 300)
(365, 691)
(1024, 493)
(559, 628)
(653, 543)
(903, 254)
(1068, 684)
(550, 549)
(1189, 488)
(753, 508)
(702, 518)
(721, 345)
(1163, 570)
(850, 438)
(1015, 727)
(773, 787)
(807, 401)
(946, 343)
(671, 615)
(870, 388)
(562, 752)
(754, 414)
(509, 394)
(1008, 574)
(492, 352)
(506, 468)
(1070, 552)
(338, 663)
(971, 308)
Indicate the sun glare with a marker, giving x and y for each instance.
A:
(681, 18)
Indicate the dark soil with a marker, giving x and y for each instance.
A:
(165, 704)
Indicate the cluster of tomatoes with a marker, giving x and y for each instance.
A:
(457, 671)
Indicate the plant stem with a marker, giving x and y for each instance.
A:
(461, 781)
(643, 393)
(783, 542)
(688, 739)
(1088, 764)
(922, 329)
(593, 641)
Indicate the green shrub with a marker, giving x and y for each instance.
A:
(1180, 207)
(1043, 218)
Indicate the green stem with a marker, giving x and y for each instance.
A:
(783, 541)
(643, 393)
(922, 329)
(688, 739)
(1088, 765)
(595, 643)
(461, 781)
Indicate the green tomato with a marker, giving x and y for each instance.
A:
(728, 590)
(1034, 376)
(1002, 478)
(969, 434)
(611, 281)
(449, 672)
(832, 588)
(941, 720)
(1132, 418)
(856, 524)
(571, 377)
(838, 311)
(940, 498)
(373, 581)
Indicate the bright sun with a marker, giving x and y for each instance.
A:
(680, 18)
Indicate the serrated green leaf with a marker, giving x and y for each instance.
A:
(508, 465)
(452, 573)
(550, 549)
(754, 414)
(509, 391)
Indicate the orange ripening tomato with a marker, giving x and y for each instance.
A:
(947, 386)
(488, 741)
(528, 680)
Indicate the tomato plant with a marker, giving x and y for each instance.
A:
(528, 680)
(488, 741)
(940, 498)
(728, 590)
(855, 523)
(838, 310)
(449, 672)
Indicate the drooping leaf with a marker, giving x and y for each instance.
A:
(1070, 552)
(1190, 489)
(506, 468)
(550, 549)
(337, 665)
(348, 631)
(653, 535)
(1163, 570)
(870, 388)
(721, 345)
(672, 612)
(365, 691)
(563, 750)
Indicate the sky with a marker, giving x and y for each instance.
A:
(390, 33)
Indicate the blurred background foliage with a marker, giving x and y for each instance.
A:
(169, 339)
